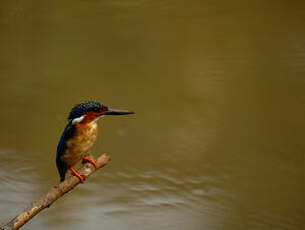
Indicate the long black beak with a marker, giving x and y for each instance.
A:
(117, 112)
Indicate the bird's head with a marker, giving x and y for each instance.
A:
(91, 110)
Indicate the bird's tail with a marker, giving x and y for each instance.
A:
(62, 169)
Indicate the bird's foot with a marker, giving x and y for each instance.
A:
(88, 159)
(77, 175)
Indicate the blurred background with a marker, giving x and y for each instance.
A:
(217, 141)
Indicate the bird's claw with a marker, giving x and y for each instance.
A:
(77, 175)
(88, 159)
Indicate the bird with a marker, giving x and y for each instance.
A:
(79, 135)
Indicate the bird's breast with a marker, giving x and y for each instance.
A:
(79, 145)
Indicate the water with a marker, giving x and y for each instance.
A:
(218, 88)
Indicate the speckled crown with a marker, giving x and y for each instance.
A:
(79, 109)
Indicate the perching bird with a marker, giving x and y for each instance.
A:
(79, 136)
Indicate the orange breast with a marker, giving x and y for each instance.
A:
(81, 143)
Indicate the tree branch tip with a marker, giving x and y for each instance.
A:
(103, 159)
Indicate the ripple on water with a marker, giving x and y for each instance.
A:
(16, 177)
(134, 191)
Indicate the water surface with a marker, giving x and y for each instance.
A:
(217, 141)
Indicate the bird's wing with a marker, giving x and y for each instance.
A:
(65, 136)
(68, 132)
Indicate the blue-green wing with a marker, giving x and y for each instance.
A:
(68, 132)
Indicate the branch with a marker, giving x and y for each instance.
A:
(53, 194)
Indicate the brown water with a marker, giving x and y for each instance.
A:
(218, 87)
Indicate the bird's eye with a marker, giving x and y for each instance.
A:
(96, 110)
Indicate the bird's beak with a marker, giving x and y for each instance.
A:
(117, 112)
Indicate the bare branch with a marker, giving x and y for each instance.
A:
(53, 194)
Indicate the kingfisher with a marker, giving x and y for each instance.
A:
(79, 136)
